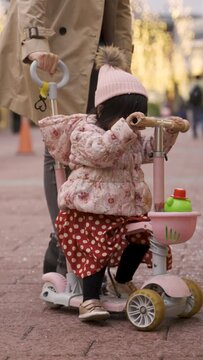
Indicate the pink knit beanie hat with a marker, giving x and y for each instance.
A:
(113, 78)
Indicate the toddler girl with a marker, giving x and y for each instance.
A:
(106, 188)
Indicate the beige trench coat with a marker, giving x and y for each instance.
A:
(68, 28)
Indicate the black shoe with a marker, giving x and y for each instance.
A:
(54, 259)
(51, 255)
(61, 267)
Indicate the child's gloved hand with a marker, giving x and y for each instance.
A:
(179, 124)
(133, 121)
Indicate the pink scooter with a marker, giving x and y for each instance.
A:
(164, 294)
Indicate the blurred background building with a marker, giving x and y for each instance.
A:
(168, 50)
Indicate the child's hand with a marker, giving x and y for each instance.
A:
(179, 124)
(133, 119)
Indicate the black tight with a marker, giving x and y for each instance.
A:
(92, 285)
(130, 260)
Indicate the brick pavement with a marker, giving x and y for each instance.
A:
(28, 329)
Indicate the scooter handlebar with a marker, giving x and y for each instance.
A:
(61, 66)
(180, 124)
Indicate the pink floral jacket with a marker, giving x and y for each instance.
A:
(106, 175)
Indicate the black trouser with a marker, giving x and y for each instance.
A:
(130, 260)
(54, 259)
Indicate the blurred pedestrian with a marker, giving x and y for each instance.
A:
(196, 105)
(15, 122)
(178, 107)
(47, 31)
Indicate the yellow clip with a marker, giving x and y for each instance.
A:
(44, 89)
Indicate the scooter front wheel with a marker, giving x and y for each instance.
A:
(193, 302)
(145, 309)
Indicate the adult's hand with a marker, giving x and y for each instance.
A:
(47, 61)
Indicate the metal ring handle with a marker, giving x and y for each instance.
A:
(61, 66)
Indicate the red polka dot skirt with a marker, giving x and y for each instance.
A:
(92, 241)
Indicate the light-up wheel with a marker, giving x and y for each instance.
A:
(51, 287)
(193, 302)
(145, 309)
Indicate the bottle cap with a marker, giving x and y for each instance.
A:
(179, 194)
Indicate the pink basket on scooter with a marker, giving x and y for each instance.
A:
(171, 228)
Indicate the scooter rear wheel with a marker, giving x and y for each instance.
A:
(145, 309)
(193, 302)
(52, 287)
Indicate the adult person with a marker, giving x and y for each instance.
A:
(69, 30)
(196, 105)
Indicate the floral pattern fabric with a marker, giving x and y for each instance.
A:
(106, 175)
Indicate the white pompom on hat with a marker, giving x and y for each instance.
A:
(113, 78)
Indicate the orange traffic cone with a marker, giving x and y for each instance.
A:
(25, 144)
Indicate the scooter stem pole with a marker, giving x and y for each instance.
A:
(158, 170)
(53, 98)
(54, 107)
(60, 173)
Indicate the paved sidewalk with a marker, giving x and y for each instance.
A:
(28, 329)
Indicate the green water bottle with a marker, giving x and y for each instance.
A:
(178, 202)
